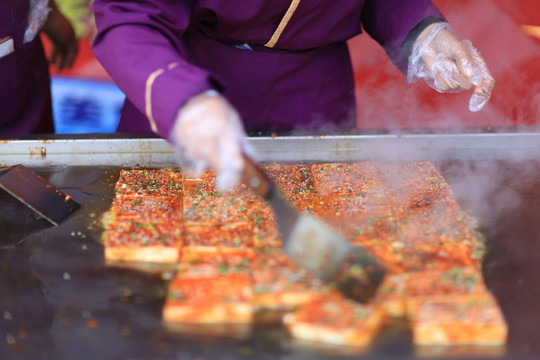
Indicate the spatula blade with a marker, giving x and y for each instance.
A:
(329, 256)
(35, 192)
(316, 247)
(309, 242)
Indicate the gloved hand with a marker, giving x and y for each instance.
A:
(450, 64)
(208, 134)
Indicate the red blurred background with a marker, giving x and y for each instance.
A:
(495, 28)
(385, 100)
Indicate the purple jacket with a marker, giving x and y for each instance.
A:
(284, 64)
(25, 98)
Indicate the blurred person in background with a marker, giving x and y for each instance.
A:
(25, 95)
(79, 13)
(200, 73)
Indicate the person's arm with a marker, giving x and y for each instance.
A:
(419, 41)
(65, 45)
(449, 63)
(139, 44)
(390, 22)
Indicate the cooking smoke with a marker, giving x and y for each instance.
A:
(388, 105)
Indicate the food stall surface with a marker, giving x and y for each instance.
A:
(60, 300)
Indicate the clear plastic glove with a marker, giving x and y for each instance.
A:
(208, 134)
(449, 63)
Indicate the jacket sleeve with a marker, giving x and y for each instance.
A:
(390, 22)
(139, 45)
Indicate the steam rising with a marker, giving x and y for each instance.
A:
(387, 103)
(480, 189)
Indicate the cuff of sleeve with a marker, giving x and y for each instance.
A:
(171, 92)
(407, 45)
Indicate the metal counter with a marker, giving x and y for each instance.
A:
(59, 300)
(156, 152)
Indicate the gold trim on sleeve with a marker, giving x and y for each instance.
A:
(274, 39)
(148, 95)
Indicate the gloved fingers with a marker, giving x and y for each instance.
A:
(453, 76)
(441, 73)
(190, 166)
(483, 80)
(447, 72)
(209, 131)
(478, 100)
(449, 63)
(463, 58)
(229, 163)
(195, 131)
(194, 144)
(230, 147)
(481, 94)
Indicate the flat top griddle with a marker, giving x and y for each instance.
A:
(59, 300)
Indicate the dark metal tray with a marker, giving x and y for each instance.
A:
(60, 300)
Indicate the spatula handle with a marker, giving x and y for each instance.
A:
(256, 179)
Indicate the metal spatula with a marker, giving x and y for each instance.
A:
(314, 246)
(35, 192)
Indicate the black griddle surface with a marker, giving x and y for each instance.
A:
(60, 300)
